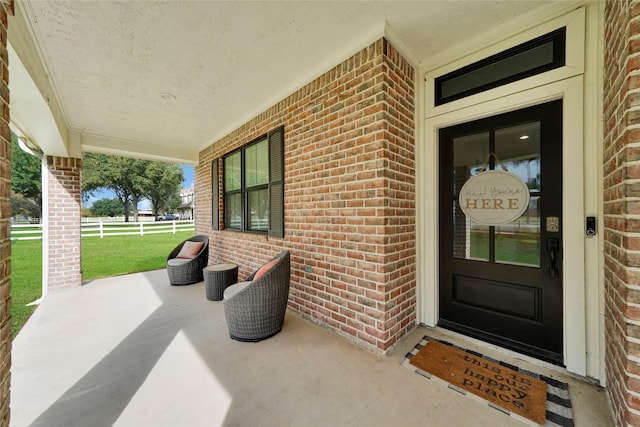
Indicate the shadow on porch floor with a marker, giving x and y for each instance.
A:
(135, 351)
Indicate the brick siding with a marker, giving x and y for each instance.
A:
(5, 228)
(64, 222)
(621, 213)
(349, 197)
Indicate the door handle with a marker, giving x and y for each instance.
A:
(553, 246)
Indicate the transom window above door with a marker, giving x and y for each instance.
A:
(533, 57)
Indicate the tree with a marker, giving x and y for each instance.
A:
(174, 201)
(25, 207)
(162, 186)
(133, 176)
(122, 175)
(131, 180)
(26, 181)
(107, 207)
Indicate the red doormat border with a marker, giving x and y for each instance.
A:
(558, 408)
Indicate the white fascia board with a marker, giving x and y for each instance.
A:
(35, 110)
(30, 113)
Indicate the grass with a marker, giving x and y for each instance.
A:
(26, 280)
(118, 255)
(108, 257)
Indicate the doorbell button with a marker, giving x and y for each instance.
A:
(591, 226)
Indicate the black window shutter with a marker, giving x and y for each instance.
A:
(215, 195)
(276, 182)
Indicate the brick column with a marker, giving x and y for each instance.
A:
(61, 264)
(621, 160)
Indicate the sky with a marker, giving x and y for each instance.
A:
(106, 194)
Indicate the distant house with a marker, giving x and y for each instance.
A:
(185, 210)
(145, 213)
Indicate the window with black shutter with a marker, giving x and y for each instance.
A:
(253, 186)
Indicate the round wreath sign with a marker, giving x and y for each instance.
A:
(494, 197)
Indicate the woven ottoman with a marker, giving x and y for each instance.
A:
(217, 278)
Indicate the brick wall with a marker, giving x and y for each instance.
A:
(63, 222)
(622, 207)
(349, 197)
(5, 230)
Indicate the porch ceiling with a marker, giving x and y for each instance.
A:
(163, 80)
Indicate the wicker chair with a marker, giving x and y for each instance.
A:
(185, 271)
(255, 309)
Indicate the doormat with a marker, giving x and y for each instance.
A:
(530, 397)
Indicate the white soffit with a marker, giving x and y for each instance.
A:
(166, 79)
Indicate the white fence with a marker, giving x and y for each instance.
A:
(103, 229)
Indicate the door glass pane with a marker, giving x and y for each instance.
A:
(518, 148)
(519, 241)
(469, 154)
(470, 240)
(259, 210)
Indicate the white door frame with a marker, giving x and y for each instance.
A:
(566, 83)
(570, 91)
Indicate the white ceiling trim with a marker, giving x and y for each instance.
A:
(123, 147)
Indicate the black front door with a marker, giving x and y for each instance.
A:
(503, 283)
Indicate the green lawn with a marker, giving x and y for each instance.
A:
(26, 280)
(117, 255)
(111, 256)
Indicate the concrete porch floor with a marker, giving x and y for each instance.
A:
(135, 351)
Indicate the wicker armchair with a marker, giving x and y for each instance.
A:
(255, 309)
(185, 271)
